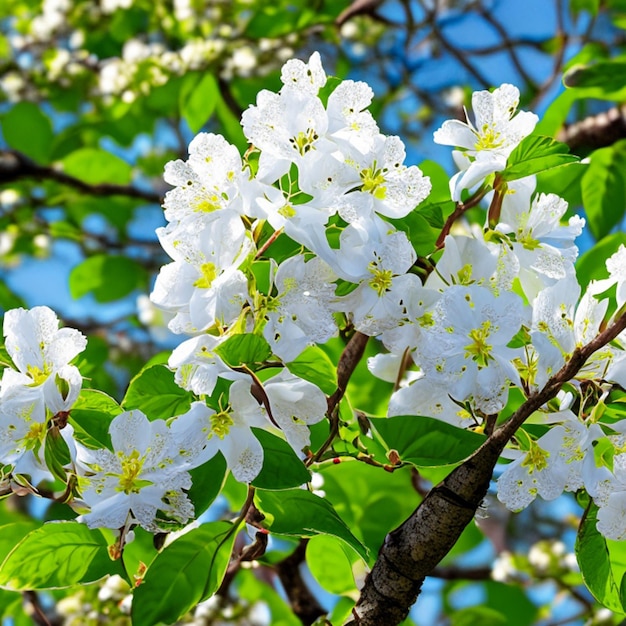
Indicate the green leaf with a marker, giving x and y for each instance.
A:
(186, 572)
(439, 180)
(591, 6)
(207, 481)
(512, 602)
(535, 154)
(198, 105)
(331, 564)
(244, 349)
(108, 277)
(8, 300)
(155, 392)
(299, 513)
(608, 75)
(27, 129)
(91, 417)
(564, 182)
(58, 554)
(602, 563)
(12, 534)
(315, 366)
(95, 166)
(425, 441)
(253, 590)
(276, 19)
(56, 453)
(230, 125)
(604, 188)
(419, 231)
(592, 264)
(282, 469)
(483, 615)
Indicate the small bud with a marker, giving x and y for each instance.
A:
(394, 457)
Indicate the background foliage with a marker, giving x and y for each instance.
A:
(98, 96)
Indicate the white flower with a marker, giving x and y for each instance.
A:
(203, 285)
(562, 459)
(357, 183)
(213, 179)
(141, 477)
(295, 403)
(488, 142)
(349, 125)
(300, 315)
(308, 77)
(558, 327)
(616, 266)
(545, 249)
(23, 429)
(287, 127)
(427, 398)
(36, 344)
(464, 344)
(197, 366)
(203, 432)
(465, 261)
(378, 261)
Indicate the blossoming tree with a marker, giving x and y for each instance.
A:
(365, 351)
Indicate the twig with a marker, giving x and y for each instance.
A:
(303, 603)
(15, 166)
(412, 551)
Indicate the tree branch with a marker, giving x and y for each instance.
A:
(411, 551)
(596, 131)
(302, 601)
(15, 166)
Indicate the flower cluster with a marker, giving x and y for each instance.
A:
(318, 167)
(36, 396)
(304, 236)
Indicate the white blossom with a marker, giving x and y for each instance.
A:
(140, 477)
(485, 144)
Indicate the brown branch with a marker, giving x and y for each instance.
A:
(15, 166)
(412, 551)
(359, 7)
(303, 603)
(461, 573)
(32, 607)
(349, 359)
(595, 131)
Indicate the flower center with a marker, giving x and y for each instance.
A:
(287, 211)
(488, 139)
(304, 141)
(373, 182)
(479, 350)
(131, 468)
(221, 423)
(208, 275)
(381, 281)
(38, 375)
(536, 458)
(208, 205)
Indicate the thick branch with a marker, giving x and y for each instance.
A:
(596, 131)
(302, 601)
(411, 552)
(15, 166)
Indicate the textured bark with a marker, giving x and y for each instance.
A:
(596, 131)
(413, 550)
